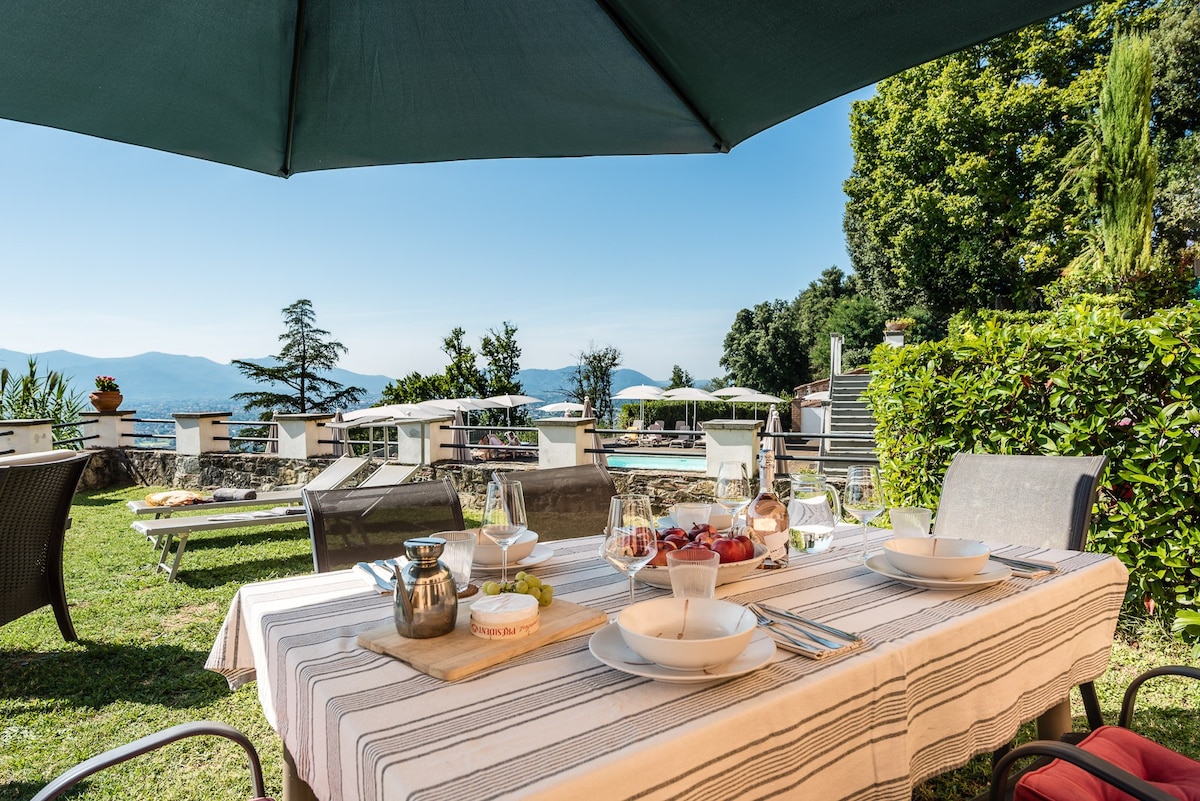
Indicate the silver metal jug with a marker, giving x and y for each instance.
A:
(426, 601)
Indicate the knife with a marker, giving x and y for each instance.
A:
(845, 635)
(1021, 564)
(384, 586)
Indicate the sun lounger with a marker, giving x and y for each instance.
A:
(165, 531)
(655, 438)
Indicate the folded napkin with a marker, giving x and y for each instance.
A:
(817, 652)
(379, 579)
(231, 494)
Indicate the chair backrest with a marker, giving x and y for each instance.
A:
(35, 509)
(368, 523)
(1042, 501)
(337, 473)
(564, 502)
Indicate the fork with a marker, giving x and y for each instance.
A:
(761, 615)
(768, 623)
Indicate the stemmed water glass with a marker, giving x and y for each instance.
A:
(630, 542)
(504, 518)
(733, 489)
(863, 499)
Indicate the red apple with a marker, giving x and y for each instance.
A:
(747, 546)
(693, 546)
(708, 537)
(675, 530)
(729, 550)
(660, 558)
(678, 540)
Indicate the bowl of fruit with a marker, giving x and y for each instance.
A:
(739, 555)
(686, 633)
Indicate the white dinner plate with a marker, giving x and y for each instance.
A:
(539, 554)
(609, 647)
(988, 576)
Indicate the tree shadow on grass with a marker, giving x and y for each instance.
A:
(102, 674)
(243, 572)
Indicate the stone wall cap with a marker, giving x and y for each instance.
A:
(563, 422)
(27, 421)
(199, 415)
(734, 425)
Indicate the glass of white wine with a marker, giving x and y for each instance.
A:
(504, 518)
(733, 489)
(863, 499)
(631, 541)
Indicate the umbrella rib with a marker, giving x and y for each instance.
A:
(293, 91)
(631, 36)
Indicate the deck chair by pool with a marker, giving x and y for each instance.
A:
(153, 742)
(680, 439)
(1037, 501)
(655, 437)
(368, 523)
(36, 491)
(564, 502)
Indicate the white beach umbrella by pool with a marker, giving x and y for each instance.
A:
(690, 394)
(373, 413)
(510, 402)
(755, 398)
(726, 392)
(778, 444)
(562, 407)
(640, 392)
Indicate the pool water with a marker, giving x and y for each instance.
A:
(633, 461)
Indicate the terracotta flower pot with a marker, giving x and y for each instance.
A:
(106, 401)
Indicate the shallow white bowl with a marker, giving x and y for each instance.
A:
(660, 576)
(936, 557)
(714, 631)
(488, 553)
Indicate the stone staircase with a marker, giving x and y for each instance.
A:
(848, 414)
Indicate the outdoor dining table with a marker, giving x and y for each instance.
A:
(941, 676)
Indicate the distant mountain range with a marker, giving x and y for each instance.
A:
(152, 382)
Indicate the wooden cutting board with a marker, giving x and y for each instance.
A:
(460, 653)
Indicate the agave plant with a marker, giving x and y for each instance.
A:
(32, 396)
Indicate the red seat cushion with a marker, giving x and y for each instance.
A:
(1171, 771)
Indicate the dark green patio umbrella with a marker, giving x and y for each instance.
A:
(285, 87)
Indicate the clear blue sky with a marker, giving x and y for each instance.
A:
(124, 250)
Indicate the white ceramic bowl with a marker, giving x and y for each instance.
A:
(687, 515)
(714, 631)
(726, 572)
(488, 553)
(936, 557)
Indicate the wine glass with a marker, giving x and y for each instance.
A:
(631, 541)
(863, 499)
(733, 489)
(504, 518)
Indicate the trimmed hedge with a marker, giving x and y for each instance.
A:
(1080, 381)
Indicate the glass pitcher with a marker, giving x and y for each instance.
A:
(813, 511)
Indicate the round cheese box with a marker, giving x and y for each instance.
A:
(498, 617)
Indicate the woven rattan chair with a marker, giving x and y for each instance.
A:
(564, 502)
(368, 523)
(35, 511)
(1039, 501)
(153, 742)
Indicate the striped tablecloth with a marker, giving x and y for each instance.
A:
(943, 676)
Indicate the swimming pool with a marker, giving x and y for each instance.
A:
(633, 461)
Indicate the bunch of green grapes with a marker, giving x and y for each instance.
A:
(524, 583)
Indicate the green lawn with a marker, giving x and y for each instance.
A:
(139, 666)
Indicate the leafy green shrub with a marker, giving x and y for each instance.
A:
(1080, 381)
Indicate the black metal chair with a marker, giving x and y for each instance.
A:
(1039, 501)
(1145, 768)
(153, 742)
(36, 491)
(565, 502)
(368, 523)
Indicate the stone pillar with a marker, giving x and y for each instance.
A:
(197, 432)
(893, 338)
(300, 435)
(561, 441)
(114, 429)
(28, 436)
(730, 441)
(420, 440)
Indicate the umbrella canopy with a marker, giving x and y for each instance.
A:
(372, 413)
(778, 444)
(640, 392)
(728, 392)
(510, 402)
(563, 407)
(755, 398)
(286, 87)
(690, 394)
(458, 438)
(594, 439)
